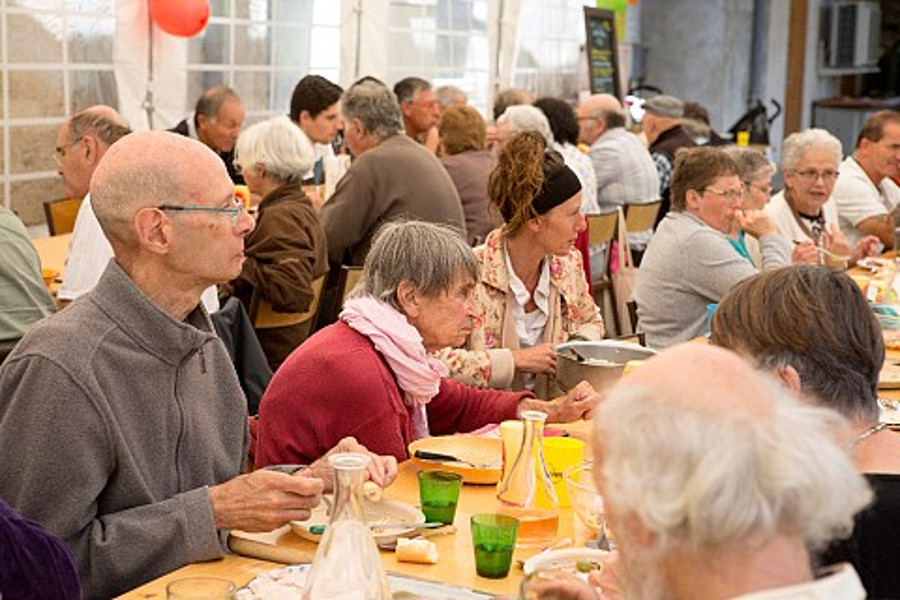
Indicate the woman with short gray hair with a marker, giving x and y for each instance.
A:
(370, 375)
(804, 211)
(286, 251)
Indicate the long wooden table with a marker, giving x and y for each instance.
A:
(456, 565)
(53, 251)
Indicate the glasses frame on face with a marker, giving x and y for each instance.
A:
(234, 213)
(730, 195)
(60, 151)
(767, 190)
(810, 176)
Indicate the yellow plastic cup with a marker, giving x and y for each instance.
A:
(743, 138)
(243, 192)
(631, 365)
(511, 434)
(560, 453)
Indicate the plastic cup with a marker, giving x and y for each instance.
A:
(560, 453)
(439, 493)
(710, 312)
(49, 276)
(494, 540)
(201, 588)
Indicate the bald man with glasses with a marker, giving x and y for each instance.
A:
(123, 413)
(689, 262)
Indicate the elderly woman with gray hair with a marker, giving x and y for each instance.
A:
(370, 376)
(804, 211)
(286, 251)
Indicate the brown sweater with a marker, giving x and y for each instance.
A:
(285, 253)
(398, 178)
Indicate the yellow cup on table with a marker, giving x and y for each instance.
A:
(243, 192)
(560, 453)
(49, 276)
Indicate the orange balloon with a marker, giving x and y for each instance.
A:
(184, 18)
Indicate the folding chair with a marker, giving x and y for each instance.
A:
(61, 215)
(602, 230)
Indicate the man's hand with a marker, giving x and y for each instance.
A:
(382, 470)
(264, 500)
(578, 404)
(537, 359)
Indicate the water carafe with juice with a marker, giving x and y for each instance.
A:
(527, 492)
(347, 565)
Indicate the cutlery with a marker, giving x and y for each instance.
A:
(889, 404)
(439, 457)
(320, 529)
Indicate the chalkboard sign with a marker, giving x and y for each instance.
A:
(601, 51)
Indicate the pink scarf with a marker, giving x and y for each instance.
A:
(418, 375)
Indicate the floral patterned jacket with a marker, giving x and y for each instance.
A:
(486, 360)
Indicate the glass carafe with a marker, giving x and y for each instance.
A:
(347, 564)
(527, 492)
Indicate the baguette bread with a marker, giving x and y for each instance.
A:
(417, 551)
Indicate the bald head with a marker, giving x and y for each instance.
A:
(147, 169)
(709, 455)
(705, 378)
(602, 102)
(81, 142)
(597, 115)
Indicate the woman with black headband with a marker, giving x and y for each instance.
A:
(532, 292)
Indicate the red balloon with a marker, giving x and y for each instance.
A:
(184, 18)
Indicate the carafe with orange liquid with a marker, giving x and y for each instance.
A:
(527, 492)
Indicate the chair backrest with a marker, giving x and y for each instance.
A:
(265, 317)
(601, 227)
(350, 276)
(61, 215)
(641, 217)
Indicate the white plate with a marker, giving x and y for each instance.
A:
(383, 511)
(565, 559)
(288, 582)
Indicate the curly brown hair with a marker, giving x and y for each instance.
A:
(523, 165)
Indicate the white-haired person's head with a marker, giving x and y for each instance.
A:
(701, 457)
(275, 148)
(523, 117)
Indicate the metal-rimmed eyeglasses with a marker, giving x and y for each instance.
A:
(60, 151)
(811, 175)
(234, 212)
(730, 195)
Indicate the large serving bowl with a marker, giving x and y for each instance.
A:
(599, 363)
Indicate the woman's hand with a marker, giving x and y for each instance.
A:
(578, 404)
(537, 359)
(866, 247)
(755, 222)
(805, 253)
(382, 470)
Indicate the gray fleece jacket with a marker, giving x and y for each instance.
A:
(687, 266)
(114, 417)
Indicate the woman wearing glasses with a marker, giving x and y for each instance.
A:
(286, 251)
(690, 262)
(804, 211)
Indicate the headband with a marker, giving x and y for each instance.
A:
(555, 190)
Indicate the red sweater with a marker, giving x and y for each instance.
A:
(337, 385)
